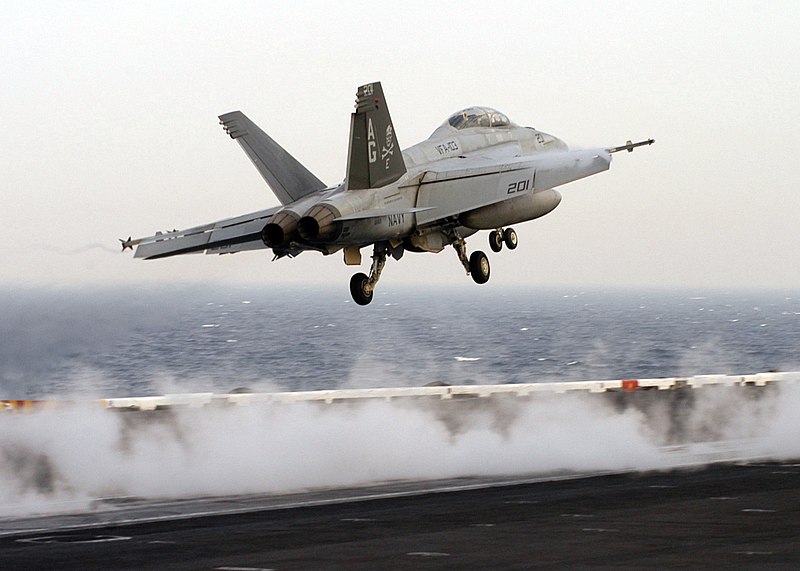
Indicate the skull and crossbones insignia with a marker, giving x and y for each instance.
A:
(388, 149)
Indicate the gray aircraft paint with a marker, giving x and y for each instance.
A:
(476, 171)
(288, 179)
(374, 158)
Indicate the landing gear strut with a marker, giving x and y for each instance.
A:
(362, 286)
(477, 265)
(499, 237)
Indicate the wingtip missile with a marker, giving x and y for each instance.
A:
(129, 243)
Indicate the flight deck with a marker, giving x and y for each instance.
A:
(717, 486)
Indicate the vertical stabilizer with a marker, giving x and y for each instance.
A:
(288, 179)
(374, 158)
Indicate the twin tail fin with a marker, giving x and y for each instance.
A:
(286, 176)
(374, 158)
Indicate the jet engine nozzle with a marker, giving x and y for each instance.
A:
(280, 230)
(319, 225)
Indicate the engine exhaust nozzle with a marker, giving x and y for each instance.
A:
(280, 230)
(319, 224)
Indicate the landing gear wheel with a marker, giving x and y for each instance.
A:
(358, 289)
(479, 267)
(495, 241)
(510, 238)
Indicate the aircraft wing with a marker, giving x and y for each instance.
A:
(457, 185)
(222, 237)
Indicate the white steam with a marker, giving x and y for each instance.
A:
(62, 460)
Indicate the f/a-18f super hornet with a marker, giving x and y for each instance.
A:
(477, 171)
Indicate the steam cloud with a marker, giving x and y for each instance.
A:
(60, 461)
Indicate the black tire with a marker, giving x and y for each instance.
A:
(357, 283)
(479, 267)
(495, 241)
(510, 238)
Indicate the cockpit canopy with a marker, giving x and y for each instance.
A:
(478, 117)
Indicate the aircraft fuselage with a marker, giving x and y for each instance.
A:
(477, 171)
(482, 146)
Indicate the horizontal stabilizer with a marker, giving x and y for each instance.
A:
(288, 179)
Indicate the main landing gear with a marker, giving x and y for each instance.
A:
(362, 286)
(477, 265)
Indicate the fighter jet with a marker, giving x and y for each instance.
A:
(477, 171)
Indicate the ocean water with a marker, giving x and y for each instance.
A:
(144, 341)
(94, 343)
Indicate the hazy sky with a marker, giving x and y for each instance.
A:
(109, 129)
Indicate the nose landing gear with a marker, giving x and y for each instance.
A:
(510, 238)
(499, 237)
(496, 240)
